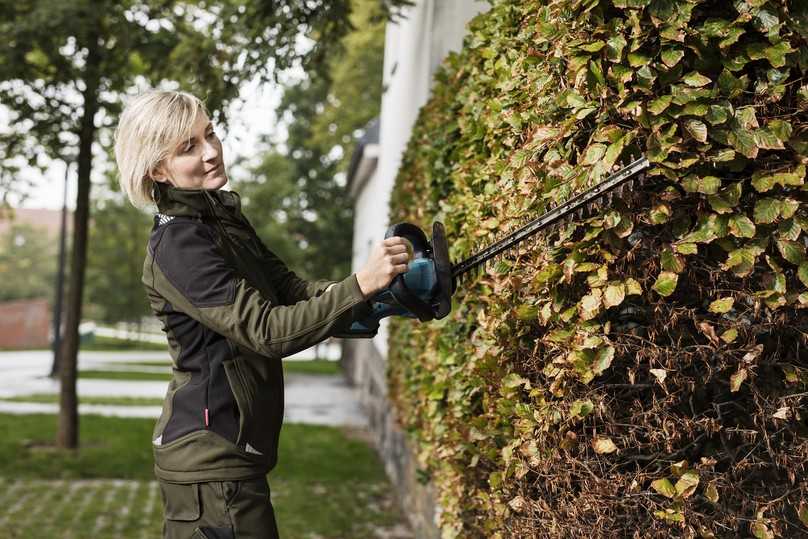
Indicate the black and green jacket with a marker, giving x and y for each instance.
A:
(231, 310)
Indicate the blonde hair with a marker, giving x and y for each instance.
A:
(149, 127)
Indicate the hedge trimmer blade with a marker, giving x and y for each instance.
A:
(577, 204)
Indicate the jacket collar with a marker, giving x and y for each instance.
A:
(196, 202)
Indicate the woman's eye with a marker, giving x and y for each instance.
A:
(212, 134)
(188, 148)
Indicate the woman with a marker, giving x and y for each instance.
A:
(231, 310)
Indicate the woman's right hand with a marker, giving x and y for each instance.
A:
(387, 259)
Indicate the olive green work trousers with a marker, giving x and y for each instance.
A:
(218, 510)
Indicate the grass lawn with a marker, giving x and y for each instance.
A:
(314, 367)
(125, 375)
(53, 398)
(329, 483)
(108, 343)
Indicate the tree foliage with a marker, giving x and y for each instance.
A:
(297, 198)
(119, 234)
(640, 372)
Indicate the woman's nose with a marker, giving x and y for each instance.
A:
(211, 151)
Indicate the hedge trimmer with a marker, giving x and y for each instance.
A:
(425, 290)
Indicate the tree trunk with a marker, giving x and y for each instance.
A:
(68, 434)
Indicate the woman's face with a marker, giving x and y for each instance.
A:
(195, 163)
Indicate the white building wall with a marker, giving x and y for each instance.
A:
(415, 45)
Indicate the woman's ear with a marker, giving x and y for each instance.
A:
(159, 174)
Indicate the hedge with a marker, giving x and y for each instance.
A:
(641, 371)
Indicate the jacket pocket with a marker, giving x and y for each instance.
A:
(261, 407)
(181, 502)
(243, 394)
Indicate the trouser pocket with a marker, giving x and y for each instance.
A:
(181, 502)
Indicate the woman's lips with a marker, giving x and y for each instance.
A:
(214, 170)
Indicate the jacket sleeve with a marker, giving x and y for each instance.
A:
(291, 287)
(191, 273)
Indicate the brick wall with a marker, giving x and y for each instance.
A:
(25, 324)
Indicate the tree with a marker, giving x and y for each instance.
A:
(65, 63)
(301, 207)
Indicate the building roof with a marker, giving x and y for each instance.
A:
(366, 149)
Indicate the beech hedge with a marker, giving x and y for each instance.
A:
(641, 371)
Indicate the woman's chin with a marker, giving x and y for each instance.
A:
(216, 182)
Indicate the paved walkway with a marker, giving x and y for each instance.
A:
(311, 399)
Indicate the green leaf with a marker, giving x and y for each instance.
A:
(594, 153)
(788, 206)
(638, 59)
(527, 312)
(737, 379)
(613, 152)
(722, 305)
(711, 493)
(743, 141)
(763, 180)
(767, 140)
(687, 248)
(746, 117)
(719, 204)
(513, 380)
(741, 226)
(792, 251)
(729, 84)
(614, 295)
(670, 515)
(581, 408)
(714, 27)
(670, 261)
(767, 210)
(671, 56)
(658, 105)
(701, 184)
(782, 129)
(590, 305)
(603, 360)
(664, 487)
(761, 531)
(803, 513)
(729, 335)
(776, 54)
(802, 273)
(633, 288)
(732, 37)
(695, 79)
(594, 46)
(742, 261)
(696, 128)
(660, 214)
(717, 114)
(666, 283)
(614, 48)
(686, 485)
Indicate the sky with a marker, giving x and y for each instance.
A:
(250, 118)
